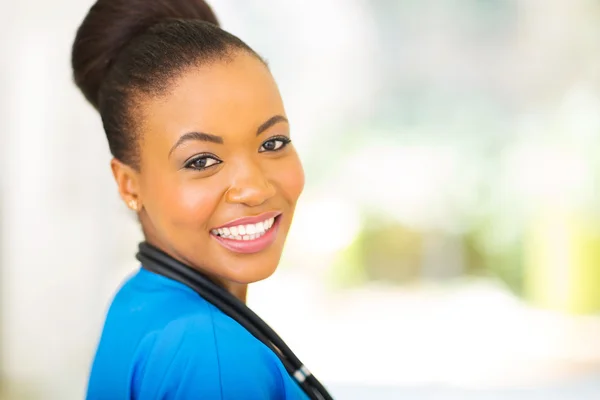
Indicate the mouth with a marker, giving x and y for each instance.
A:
(248, 235)
(245, 232)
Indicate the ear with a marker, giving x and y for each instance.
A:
(128, 183)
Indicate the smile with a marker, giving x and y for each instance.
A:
(245, 231)
(249, 234)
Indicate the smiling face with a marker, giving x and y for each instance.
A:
(218, 178)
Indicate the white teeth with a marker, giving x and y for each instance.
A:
(245, 232)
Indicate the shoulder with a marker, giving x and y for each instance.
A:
(148, 302)
(172, 358)
(207, 355)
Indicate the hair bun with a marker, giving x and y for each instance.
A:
(111, 24)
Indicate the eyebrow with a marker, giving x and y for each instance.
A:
(270, 122)
(201, 136)
(207, 137)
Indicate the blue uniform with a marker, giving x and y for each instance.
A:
(161, 340)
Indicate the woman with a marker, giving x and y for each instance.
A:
(202, 153)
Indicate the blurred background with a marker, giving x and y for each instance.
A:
(447, 245)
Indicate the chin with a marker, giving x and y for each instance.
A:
(246, 268)
(250, 271)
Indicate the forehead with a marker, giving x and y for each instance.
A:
(230, 96)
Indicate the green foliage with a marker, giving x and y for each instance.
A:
(383, 251)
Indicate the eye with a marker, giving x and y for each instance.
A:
(202, 162)
(274, 144)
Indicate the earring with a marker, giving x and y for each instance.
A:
(133, 204)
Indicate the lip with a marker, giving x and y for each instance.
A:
(250, 246)
(251, 220)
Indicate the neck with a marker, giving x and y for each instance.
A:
(239, 290)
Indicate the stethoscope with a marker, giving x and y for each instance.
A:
(157, 261)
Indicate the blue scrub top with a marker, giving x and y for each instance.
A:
(161, 340)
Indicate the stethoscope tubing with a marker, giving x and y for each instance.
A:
(156, 261)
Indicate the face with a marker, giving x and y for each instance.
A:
(218, 178)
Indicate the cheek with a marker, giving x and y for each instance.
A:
(290, 178)
(186, 202)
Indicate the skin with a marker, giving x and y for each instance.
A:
(178, 205)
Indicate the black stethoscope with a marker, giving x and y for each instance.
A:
(157, 261)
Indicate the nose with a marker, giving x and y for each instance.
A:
(250, 187)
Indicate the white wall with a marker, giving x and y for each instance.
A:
(62, 224)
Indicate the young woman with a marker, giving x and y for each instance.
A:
(202, 153)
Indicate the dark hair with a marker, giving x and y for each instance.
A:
(125, 48)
